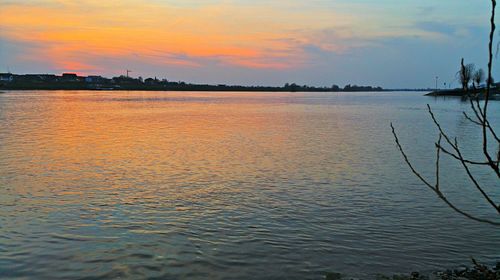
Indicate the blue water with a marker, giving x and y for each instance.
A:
(185, 185)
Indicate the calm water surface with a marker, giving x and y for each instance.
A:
(181, 185)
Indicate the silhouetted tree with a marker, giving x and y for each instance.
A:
(478, 78)
(449, 145)
(491, 80)
(465, 74)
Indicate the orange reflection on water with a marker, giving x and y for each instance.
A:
(162, 138)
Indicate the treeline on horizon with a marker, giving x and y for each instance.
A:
(71, 81)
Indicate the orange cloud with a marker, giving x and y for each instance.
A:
(71, 33)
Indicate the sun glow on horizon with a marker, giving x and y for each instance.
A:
(94, 37)
(74, 38)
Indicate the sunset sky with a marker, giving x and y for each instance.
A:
(391, 43)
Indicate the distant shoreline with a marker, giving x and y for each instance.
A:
(461, 93)
(71, 81)
(195, 90)
(227, 89)
(178, 86)
(200, 89)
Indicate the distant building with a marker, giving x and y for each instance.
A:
(30, 77)
(124, 80)
(47, 77)
(94, 79)
(151, 81)
(6, 77)
(70, 77)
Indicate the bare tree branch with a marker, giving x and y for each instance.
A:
(466, 73)
(457, 158)
(488, 88)
(438, 150)
(478, 112)
(436, 188)
(492, 132)
(470, 119)
(408, 161)
(454, 145)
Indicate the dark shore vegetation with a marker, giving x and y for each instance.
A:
(479, 92)
(69, 81)
(476, 272)
(471, 81)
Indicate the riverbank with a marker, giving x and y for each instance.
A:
(477, 272)
(71, 81)
(461, 92)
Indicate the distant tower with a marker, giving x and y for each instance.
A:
(128, 71)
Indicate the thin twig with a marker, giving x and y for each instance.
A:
(492, 131)
(470, 119)
(458, 158)
(438, 149)
(483, 122)
(408, 161)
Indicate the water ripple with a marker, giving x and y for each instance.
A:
(227, 186)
